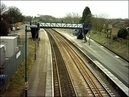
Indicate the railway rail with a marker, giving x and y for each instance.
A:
(92, 84)
(62, 83)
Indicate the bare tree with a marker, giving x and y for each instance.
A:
(3, 8)
(99, 21)
(4, 29)
(72, 17)
(14, 14)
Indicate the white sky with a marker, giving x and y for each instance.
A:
(109, 9)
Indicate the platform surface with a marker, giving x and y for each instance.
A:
(41, 77)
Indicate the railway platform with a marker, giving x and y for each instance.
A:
(41, 77)
(111, 64)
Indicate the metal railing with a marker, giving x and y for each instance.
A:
(10, 66)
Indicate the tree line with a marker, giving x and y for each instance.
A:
(11, 15)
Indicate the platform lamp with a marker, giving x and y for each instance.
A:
(35, 43)
(127, 28)
(26, 81)
(89, 26)
(36, 36)
(13, 25)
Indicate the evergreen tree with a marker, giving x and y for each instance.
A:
(86, 16)
(86, 19)
(122, 33)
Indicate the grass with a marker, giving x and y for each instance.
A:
(121, 48)
(16, 85)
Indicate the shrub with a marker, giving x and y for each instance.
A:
(114, 37)
(127, 37)
(122, 33)
(4, 30)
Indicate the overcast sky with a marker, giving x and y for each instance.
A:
(109, 9)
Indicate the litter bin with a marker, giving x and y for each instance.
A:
(34, 31)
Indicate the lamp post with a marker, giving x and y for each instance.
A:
(89, 17)
(39, 17)
(34, 36)
(35, 49)
(13, 25)
(89, 38)
(127, 28)
(26, 82)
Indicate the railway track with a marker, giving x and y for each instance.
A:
(65, 77)
(62, 83)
